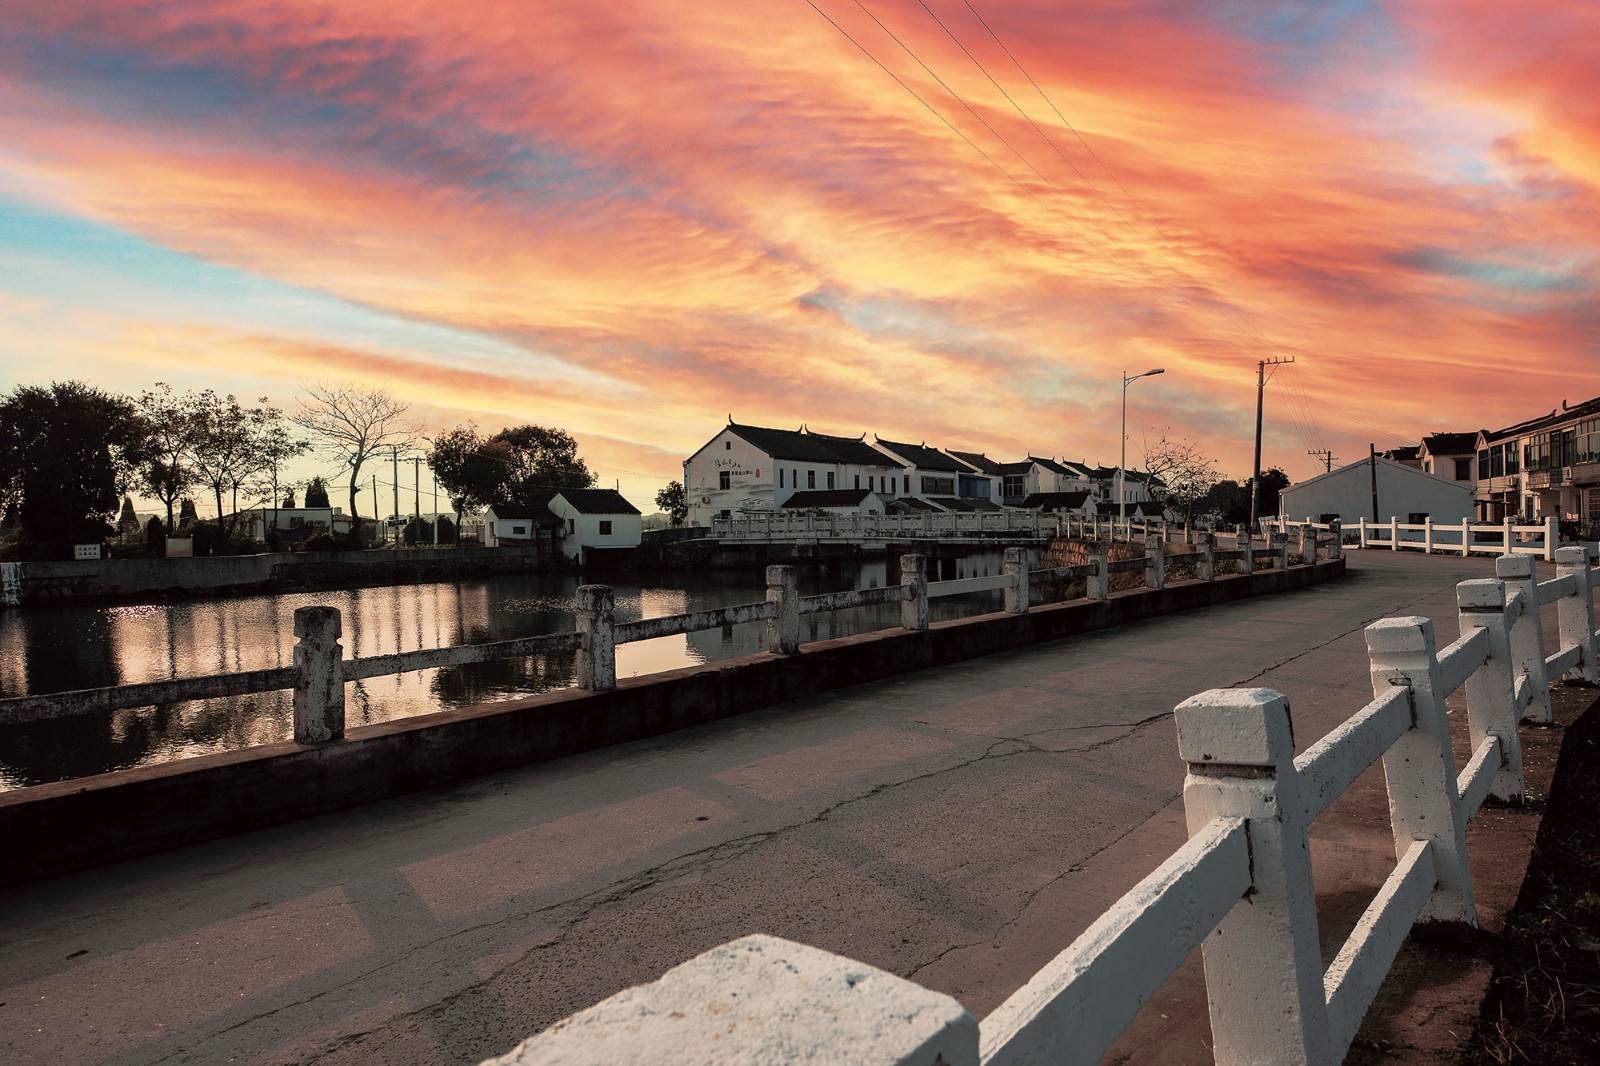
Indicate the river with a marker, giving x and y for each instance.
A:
(52, 649)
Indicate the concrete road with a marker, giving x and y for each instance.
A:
(958, 826)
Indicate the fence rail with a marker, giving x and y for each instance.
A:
(1464, 538)
(1250, 802)
(320, 669)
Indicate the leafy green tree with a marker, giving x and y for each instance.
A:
(67, 453)
(538, 460)
(155, 538)
(674, 501)
(173, 422)
(236, 445)
(471, 471)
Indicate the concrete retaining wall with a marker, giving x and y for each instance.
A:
(155, 579)
(55, 828)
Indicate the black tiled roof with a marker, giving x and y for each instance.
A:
(1587, 408)
(965, 504)
(1450, 443)
(806, 446)
(910, 503)
(537, 512)
(825, 498)
(597, 501)
(1053, 501)
(982, 462)
(852, 450)
(921, 456)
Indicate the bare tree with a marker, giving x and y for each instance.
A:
(353, 424)
(1179, 472)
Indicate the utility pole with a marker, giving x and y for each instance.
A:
(1326, 455)
(394, 455)
(1261, 392)
(1122, 460)
(1372, 465)
(375, 500)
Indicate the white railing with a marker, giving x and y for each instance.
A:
(1250, 802)
(782, 526)
(320, 669)
(1464, 538)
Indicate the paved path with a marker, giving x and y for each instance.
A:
(959, 826)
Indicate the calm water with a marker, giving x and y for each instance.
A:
(58, 648)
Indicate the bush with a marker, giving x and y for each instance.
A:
(322, 541)
(155, 539)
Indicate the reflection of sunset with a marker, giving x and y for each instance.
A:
(633, 219)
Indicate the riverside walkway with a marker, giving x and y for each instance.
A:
(958, 825)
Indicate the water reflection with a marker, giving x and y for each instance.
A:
(53, 649)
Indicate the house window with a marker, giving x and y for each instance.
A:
(724, 480)
(1463, 469)
(858, 481)
(811, 479)
(907, 489)
(727, 445)
(1416, 518)
(1015, 485)
(572, 525)
(938, 486)
(780, 477)
(830, 479)
(605, 527)
(519, 531)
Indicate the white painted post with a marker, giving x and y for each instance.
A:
(1016, 568)
(1205, 567)
(1308, 535)
(1466, 537)
(914, 579)
(319, 676)
(1363, 542)
(1394, 533)
(1419, 768)
(760, 999)
(1155, 564)
(1552, 537)
(1491, 690)
(1099, 585)
(1427, 535)
(1576, 612)
(1527, 634)
(1507, 534)
(783, 592)
(597, 652)
(1263, 964)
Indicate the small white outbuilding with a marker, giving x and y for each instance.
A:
(1404, 492)
(595, 521)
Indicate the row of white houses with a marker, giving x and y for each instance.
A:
(747, 470)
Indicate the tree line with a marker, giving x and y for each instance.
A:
(70, 454)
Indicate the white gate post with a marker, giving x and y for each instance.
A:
(1466, 537)
(1419, 768)
(1492, 688)
(1527, 633)
(1263, 964)
(1394, 532)
(1427, 534)
(914, 579)
(1280, 544)
(1247, 559)
(319, 676)
(783, 592)
(1507, 534)
(1016, 568)
(1552, 537)
(1099, 584)
(1336, 545)
(597, 652)
(1576, 612)
(1362, 543)
(1155, 564)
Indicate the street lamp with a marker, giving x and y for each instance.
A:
(1122, 464)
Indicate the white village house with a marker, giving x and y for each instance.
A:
(931, 479)
(1035, 476)
(1404, 492)
(514, 525)
(755, 469)
(595, 522)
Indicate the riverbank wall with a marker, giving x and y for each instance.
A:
(152, 580)
(68, 825)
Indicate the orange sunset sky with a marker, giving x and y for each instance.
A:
(633, 218)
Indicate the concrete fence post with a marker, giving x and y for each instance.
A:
(1155, 564)
(1336, 545)
(1263, 964)
(1466, 537)
(597, 652)
(1016, 569)
(1552, 537)
(1419, 768)
(319, 676)
(1427, 534)
(1099, 585)
(1247, 558)
(914, 579)
(1280, 551)
(1508, 533)
(1205, 567)
(1394, 533)
(783, 592)
(1491, 690)
(1362, 543)
(1576, 612)
(1527, 633)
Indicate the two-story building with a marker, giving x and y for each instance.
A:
(932, 478)
(982, 480)
(755, 469)
(1450, 456)
(1137, 487)
(1034, 476)
(1542, 468)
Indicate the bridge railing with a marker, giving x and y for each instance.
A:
(1463, 538)
(320, 670)
(1245, 871)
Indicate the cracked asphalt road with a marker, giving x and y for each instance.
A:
(958, 825)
